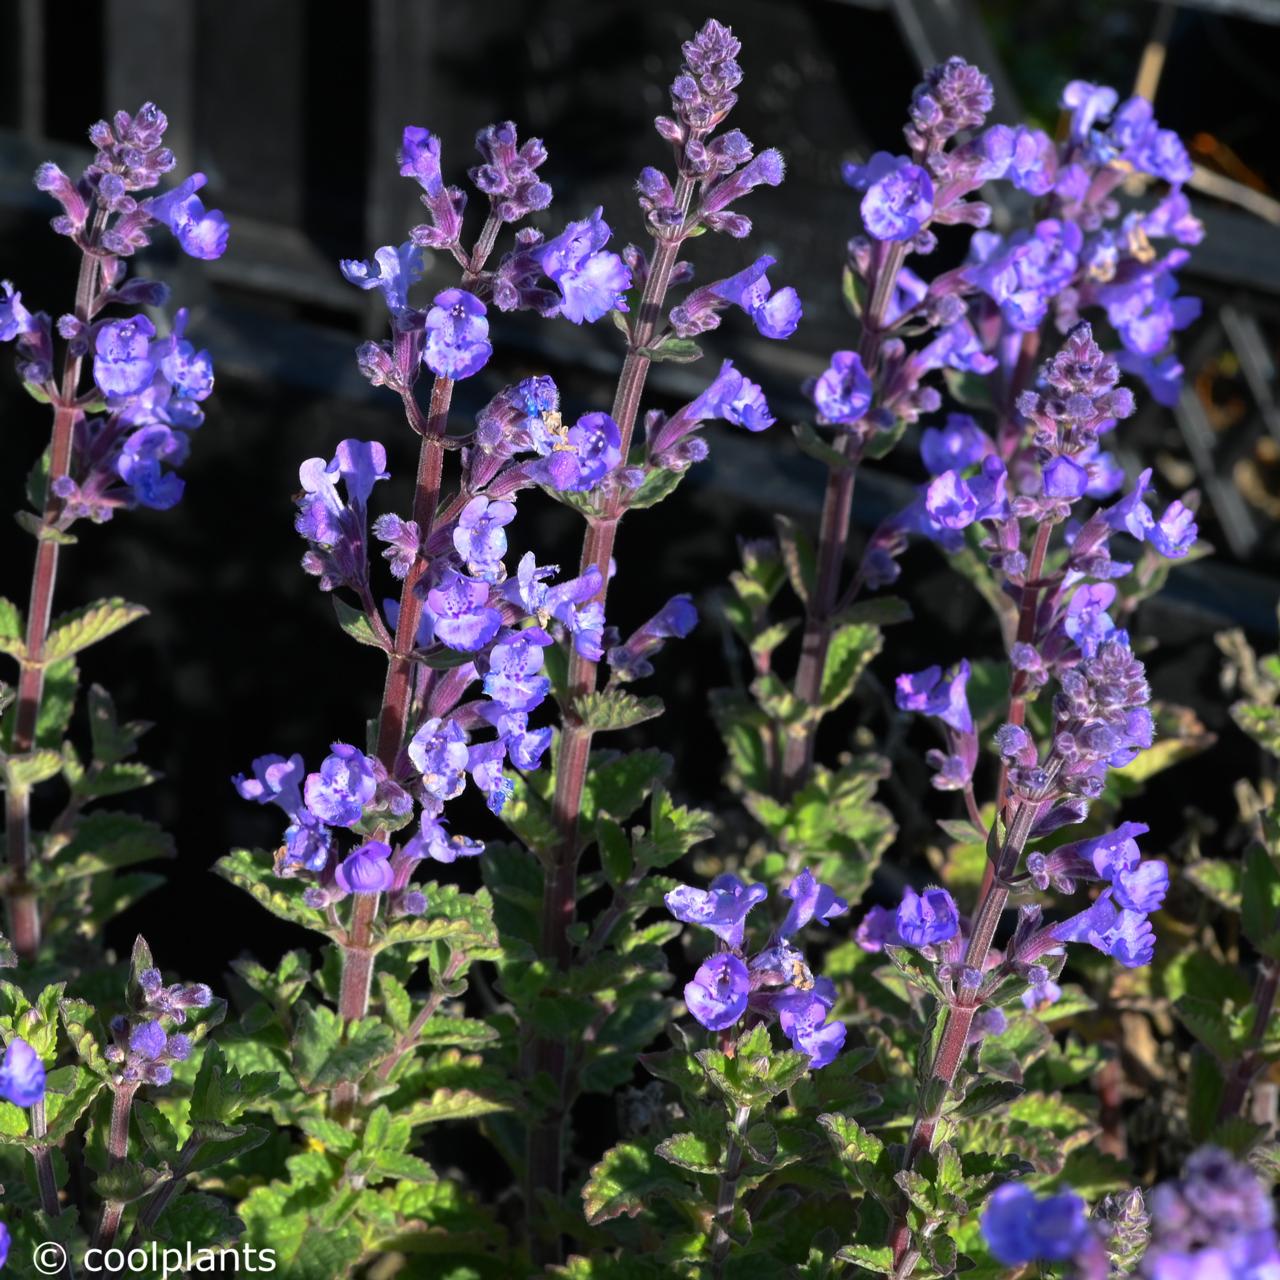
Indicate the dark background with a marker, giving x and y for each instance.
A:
(294, 112)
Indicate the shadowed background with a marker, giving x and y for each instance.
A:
(295, 117)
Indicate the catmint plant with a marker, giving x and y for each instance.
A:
(814, 1069)
(117, 441)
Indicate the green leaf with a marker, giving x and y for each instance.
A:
(877, 1258)
(615, 852)
(617, 784)
(678, 350)
(1260, 906)
(882, 611)
(252, 871)
(1207, 1022)
(112, 741)
(1261, 723)
(690, 1151)
(624, 1182)
(324, 1056)
(25, 771)
(614, 709)
(83, 627)
(106, 841)
(810, 442)
(11, 629)
(355, 623)
(658, 483)
(673, 831)
(986, 1095)
(1218, 880)
(56, 707)
(852, 647)
(797, 555)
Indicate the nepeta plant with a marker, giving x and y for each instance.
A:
(901, 1087)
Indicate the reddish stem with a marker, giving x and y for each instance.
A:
(545, 1162)
(833, 539)
(397, 694)
(24, 908)
(1242, 1076)
(117, 1153)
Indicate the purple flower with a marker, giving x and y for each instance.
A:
(802, 1015)
(1174, 534)
(899, 195)
(591, 281)
(439, 753)
(148, 1040)
(774, 313)
(403, 539)
(366, 869)
(307, 842)
(843, 392)
(1144, 887)
(1064, 478)
(722, 907)
(924, 919)
(15, 319)
(879, 928)
(1020, 1228)
(484, 761)
(1027, 157)
(1126, 936)
(572, 603)
(434, 841)
(514, 679)
(959, 445)
(141, 466)
(461, 617)
(5, 1241)
(509, 176)
(1131, 514)
(420, 160)
(731, 397)
(1087, 621)
(1162, 376)
(479, 538)
(21, 1074)
(345, 785)
(122, 362)
(392, 270)
(933, 692)
(201, 232)
(578, 459)
(950, 501)
(676, 618)
(336, 527)
(810, 900)
(275, 781)
(717, 996)
(457, 335)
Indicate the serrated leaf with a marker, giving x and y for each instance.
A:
(624, 1181)
(11, 629)
(83, 627)
(690, 1151)
(618, 784)
(355, 623)
(658, 483)
(22, 772)
(327, 1052)
(614, 709)
(851, 648)
(252, 871)
(1217, 880)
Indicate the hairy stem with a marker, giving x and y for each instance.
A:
(727, 1196)
(960, 1015)
(117, 1153)
(42, 1155)
(1245, 1071)
(397, 693)
(833, 538)
(24, 908)
(163, 1197)
(545, 1164)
